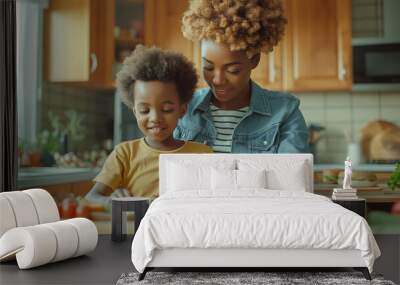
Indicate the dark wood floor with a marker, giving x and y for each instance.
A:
(110, 259)
(388, 263)
(102, 266)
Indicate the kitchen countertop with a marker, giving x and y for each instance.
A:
(358, 167)
(42, 176)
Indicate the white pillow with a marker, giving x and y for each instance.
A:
(181, 178)
(236, 179)
(183, 175)
(282, 174)
(223, 179)
(251, 179)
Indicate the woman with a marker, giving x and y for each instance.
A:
(235, 115)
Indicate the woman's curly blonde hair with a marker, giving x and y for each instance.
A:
(251, 25)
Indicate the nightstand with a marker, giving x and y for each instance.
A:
(357, 205)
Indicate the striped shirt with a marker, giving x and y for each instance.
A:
(225, 122)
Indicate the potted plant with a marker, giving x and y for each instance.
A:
(34, 158)
(48, 143)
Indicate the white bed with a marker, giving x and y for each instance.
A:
(247, 210)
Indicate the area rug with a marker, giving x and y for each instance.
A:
(243, 278)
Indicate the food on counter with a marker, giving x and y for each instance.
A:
(100, 216)
(386, 145)
(68, 208)
(82, 209)
(93, 158)
(106, 216)
(380, 141)
(77, 206)
(360, 179)
(96, 207)
(330, 176)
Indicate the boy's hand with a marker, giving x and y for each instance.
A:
(120, 192)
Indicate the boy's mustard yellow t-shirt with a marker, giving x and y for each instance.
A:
(133, 165)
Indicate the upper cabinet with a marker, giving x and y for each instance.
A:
(87, 40)
(318, 45)
(315, 53)
(269, 72)
(165, 32)
(78, 41)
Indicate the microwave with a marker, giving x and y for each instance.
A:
(376, 66)
(376, 46)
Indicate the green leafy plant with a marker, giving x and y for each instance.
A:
(48, 141)
(394, 180)
(71, 125)
(74, 126)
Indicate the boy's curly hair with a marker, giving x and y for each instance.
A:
(251, 25)
(148, 64)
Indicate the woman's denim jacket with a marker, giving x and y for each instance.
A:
(273, 124)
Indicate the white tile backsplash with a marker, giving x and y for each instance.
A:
(336, 144)
(336, 130)
(390, 100)
(391, 114)
(365, 100)
(311, 100)
(338, 100)
(339, 112)
(314, 115)
(365, 114)
(357, 126)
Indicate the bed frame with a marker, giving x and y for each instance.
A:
(241, 259)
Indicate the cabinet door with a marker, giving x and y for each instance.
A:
(102, 43)
(78, 41)
(268, 73)
(165, 32)
(318, 51)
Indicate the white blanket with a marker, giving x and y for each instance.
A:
(253, 218)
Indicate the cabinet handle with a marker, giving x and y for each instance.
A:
(343, 73)
(93, 59)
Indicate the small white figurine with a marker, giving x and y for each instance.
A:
(347, 174)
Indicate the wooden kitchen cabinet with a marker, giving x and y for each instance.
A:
(318, 45)
(165, 32)
(315, 53)
(86, 41)
(79, 42)
(269, 72)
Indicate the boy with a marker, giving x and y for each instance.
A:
(156, 85)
